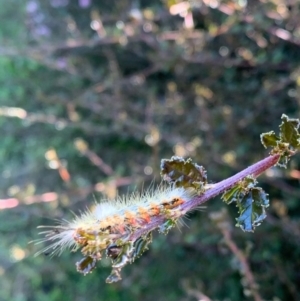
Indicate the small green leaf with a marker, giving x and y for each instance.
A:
(86, 265)
(269, 139)
(167, 226)
(289, 131)
(141, 245)
(287, 142)
(238, 191)
(258, 215)
(260, 197)
(183, 173)
(247, 183)
(283, 161)
(114, 276)
(123, 254)
(252, 209)
(232, 194)
(245, 208)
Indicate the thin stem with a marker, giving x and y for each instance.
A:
(245, 266)
(254, 170)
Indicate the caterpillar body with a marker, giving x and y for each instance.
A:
(108, 228)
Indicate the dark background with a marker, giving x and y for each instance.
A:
(93, 94)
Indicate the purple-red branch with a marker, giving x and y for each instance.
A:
(254, 170)
(218, 188)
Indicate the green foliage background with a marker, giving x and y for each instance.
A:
(133, 82)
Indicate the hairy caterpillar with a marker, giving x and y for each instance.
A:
(108, 228)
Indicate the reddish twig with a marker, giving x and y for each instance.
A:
(254, 170)
(220, 187)
(50, 196)
(97, 161)
(245, 267)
